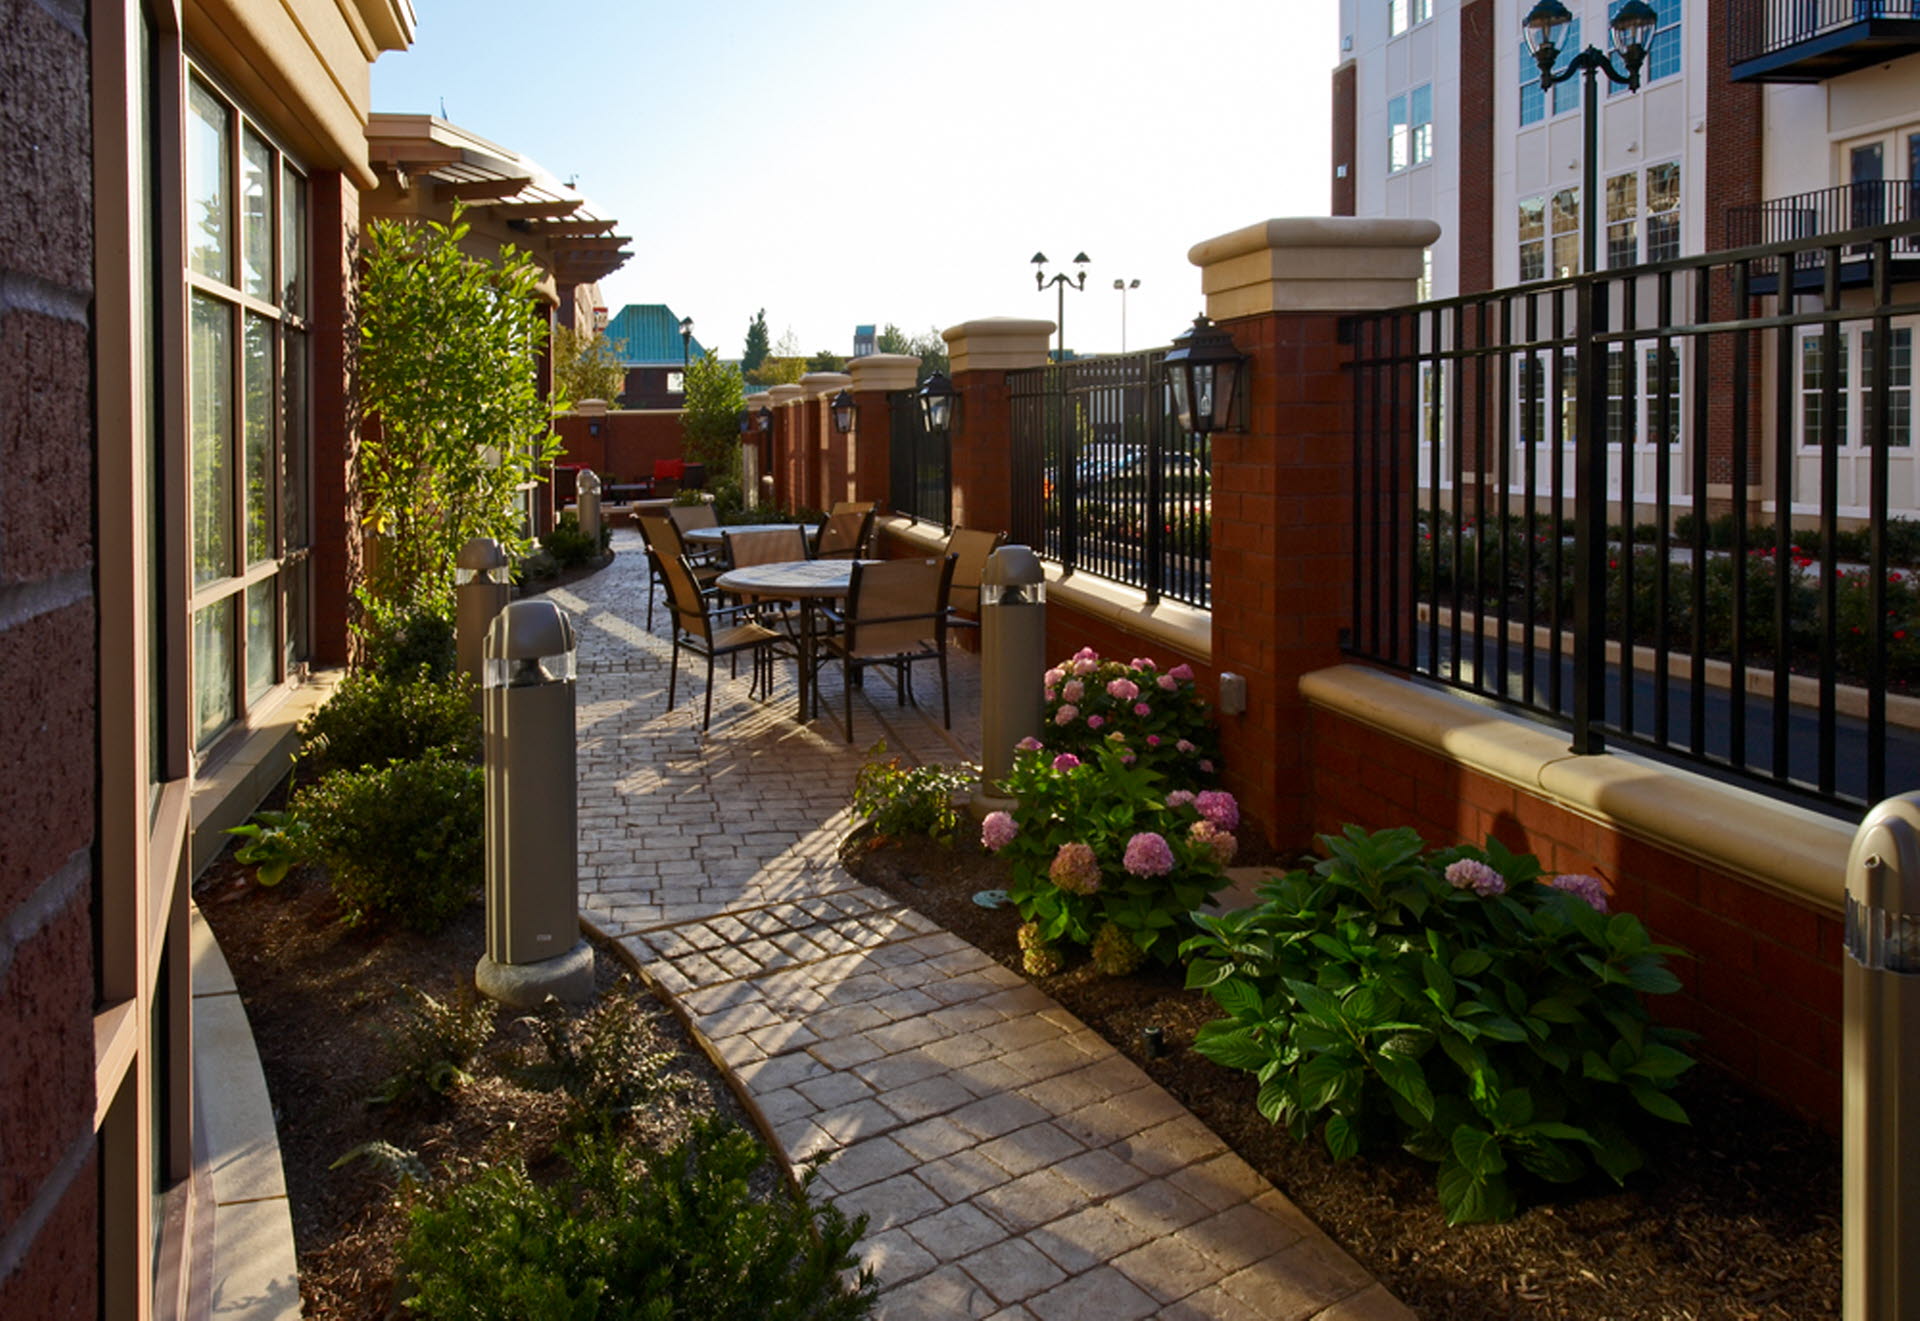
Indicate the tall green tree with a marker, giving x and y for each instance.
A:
(931, 350)
(892, 339)
(448, 354)
(586, 367)
(710, 417)
(826, 360)
(757, 344)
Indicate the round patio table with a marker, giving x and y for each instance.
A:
(805, 581)
(714, 536)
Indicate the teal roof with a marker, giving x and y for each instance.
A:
(648, 335)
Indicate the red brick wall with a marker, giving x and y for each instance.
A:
(1763, 984)
(873, 446)
(1069, 629)
(982, 456)
(1733, 179)
(627, 445)
(1344, 121)
(338, 539)
(48, 668)
(1474, 233)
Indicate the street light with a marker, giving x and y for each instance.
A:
(1545, 27)
(843, 412)
(1062, 282)
(936, 403)
(1123, 286)
(686, 342)
(1204, 368)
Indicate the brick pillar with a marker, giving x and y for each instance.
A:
(1477, 100)
(1345, 154)
(338, 543)
(827, 460)
(875, 378)
(1734, 135)
(1282, 489)
(786, 470)
(982, 353)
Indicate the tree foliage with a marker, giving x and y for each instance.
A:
(757, 349)
(448, 353)
(710, 419)
(826, 360)
(775, 370)
(586, 367)
(930, 348)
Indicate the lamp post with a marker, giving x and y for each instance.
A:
(1061, 282)
(1123, 286)
(1632, 28)
(686, 344)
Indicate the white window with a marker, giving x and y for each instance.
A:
(1549, 232)
(1535, 399)
(1639, 400)
(1410, 129)
(1851, 419)
(1659, 186)
(1403, 14)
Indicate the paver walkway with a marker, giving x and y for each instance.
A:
(1012, 1163)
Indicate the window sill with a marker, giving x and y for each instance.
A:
(251, 763)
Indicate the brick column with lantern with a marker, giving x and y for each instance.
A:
(982, 353)
(876, 378)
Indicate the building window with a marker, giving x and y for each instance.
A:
(1403, 14)
(1566, 95)
(1663, 52)
(1853, 397)
(1662, 195)
(247, 348)
(1623, 220)
(1423, 287)
(1634, 389)
(1550, 235)
(1410, 129)
(1531, 383)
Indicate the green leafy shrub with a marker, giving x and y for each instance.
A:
(1453, 1003)
(901, 800)
(1097, 844)
(1158, 716)
(624, 1232)
(601, 1058)
(568, 543)
(277, 842)
(435, 1042)
(403, 841)
(400, 645)
(373, 719)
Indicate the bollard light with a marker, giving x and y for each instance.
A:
(587, 499)
(534, 946)
(482, 586)
(1013, 663)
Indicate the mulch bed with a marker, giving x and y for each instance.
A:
(1737, 1216)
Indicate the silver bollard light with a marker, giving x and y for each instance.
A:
(534, 946)
(482, 586)
(1013, 659)
(1880, 1056)
(587, 497)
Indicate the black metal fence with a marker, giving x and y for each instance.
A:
(1657, 506)
(920, 465)
(1823, 212)
(1760, 27)
(1105, 479)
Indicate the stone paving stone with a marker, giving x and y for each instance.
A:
(1035, 1147)
(948, 1294)
(929, 1096)
(994, 1116)
(1086, 1238)
(895, 1201)
(930, 1139)
(1169, 1268)
(867, 1162)
(894, 1258)
(1300, 1280)
(1031, 1200)
(956, 1232)
(1012, 1270)
(1102, 1294)
(962, 1176)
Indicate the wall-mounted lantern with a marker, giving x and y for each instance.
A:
(936, 403)
(1205, 369)
(843, 412)
(766, 418)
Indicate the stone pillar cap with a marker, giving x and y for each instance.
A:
(1312, 264)
(997, 343)
(782, 394)
(884, 371)
(998, 325)
(815, 384)
(591, 408)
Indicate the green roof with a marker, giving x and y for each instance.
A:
(648, 335)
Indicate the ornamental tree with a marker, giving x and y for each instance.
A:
(710, 419)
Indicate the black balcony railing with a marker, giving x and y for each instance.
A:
(1659, 508)
(1811, 40)
(1824, 212)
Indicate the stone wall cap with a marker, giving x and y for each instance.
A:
(815, 384)
(782, 394)
(1314, 232)
(997, 325)
(882, 360)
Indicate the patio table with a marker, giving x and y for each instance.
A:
(715, 536)
(805, 581)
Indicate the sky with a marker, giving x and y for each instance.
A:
(873, 161)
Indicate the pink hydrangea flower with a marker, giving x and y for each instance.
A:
(1184, 746)
(1219, 807)
(1055, 675)
(997, 831)
(1206, 766)
(1128, 758)
(1168, 682)
(1094, 722)
(1086, 653)
(1153, 740)
(1074, 690)
(1066, 761)
(1085, 666)
(1472, 874)
(1123, 690)
(1075, 868)
(1142, 709)
(1220, 843)
(1179, 798)
(1181, 671)
(1028, 744)
(1066, 715)
(1148, 854)
(1590, 888)
(1141, 663)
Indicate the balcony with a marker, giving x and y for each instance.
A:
(1809, 41)
(1831, 211)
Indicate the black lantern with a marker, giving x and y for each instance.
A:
(843, 412)
(1632, 29)
(1204, 368)
(766, 418)
(686, 341)
(745, 419)
(936, 403)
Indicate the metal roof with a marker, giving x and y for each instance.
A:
(648, 335)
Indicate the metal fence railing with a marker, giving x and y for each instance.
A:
(1757, 28)
(920, 465)
(1823, 212)
(1670, 507)
(1105, 480)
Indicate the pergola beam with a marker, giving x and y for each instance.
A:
(480, 189)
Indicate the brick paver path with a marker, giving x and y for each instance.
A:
(1012, 1164)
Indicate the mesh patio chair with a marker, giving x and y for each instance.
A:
(701, 627)
(845, 533)
(768, 546)
(896, 615)
(663, 543)
(689, 517)
(969, 548)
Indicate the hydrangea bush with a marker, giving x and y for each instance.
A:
(1152, 717)
(1458, 1003)
(1103, 858)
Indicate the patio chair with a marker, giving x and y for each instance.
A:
(688, 517)
(895, 609)
(768, 546)
(663, 543)
(701, 627)
(969, 548)
(845, 534)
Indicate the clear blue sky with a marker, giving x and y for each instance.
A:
(843, 162)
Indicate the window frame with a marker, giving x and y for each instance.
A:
(1854, 340)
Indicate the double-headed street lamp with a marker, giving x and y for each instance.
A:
(686, 343)
(1062, 281)
(1631, 29)
(1123, 286)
